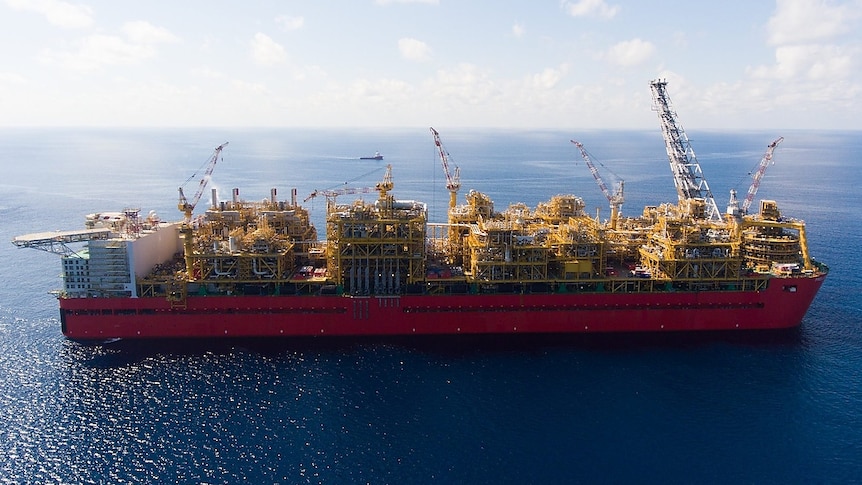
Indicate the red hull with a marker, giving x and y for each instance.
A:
(782, 305)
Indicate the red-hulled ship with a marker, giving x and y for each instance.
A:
(781, 304)
(258, 269)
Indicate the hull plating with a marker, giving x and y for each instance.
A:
(782, 305)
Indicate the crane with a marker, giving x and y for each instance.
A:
(758, 175)
(453, 182)
(687, 174)
(332, 194)
(616, 199)
(187, 207)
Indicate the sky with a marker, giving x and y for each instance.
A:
(537, 64)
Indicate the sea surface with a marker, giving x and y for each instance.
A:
(710, 408)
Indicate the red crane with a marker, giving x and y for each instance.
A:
(758, 175)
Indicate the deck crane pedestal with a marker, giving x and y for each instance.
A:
(687, 174)
(616, 199)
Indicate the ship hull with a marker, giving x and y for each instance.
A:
(781, 305)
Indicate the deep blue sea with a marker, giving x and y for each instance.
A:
(712, 408)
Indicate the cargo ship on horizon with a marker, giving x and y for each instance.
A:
(258, 269)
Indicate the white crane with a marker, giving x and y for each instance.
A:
(616, 199)
(687, 174)
(337, 192)
(453, 182)
(186, 206)
(332, 194)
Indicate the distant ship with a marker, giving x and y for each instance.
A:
(257, 269)
(377, 156)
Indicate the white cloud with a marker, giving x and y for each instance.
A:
(250, 87)
(266, 51)
(95, 51)
(290, 23)
(141, 32)
(56, 12)
(414, 50)
(630, 52)
(810, 76)
(99, 50)
(12, 78)
(518, 30)
(207, 72)
(301, 73)
(590, 8)
(465, 83)
(802, 21)
(811, 61)
(807, 35)
(380, 90)
(548, 78)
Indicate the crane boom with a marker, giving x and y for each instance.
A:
(758, 175)
(687, 174)
(186, 206)
(331, 194)
(453, 182)
(616, 199)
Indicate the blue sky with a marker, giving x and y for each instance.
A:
(734, 64)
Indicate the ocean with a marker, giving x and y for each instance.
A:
(709, 408)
